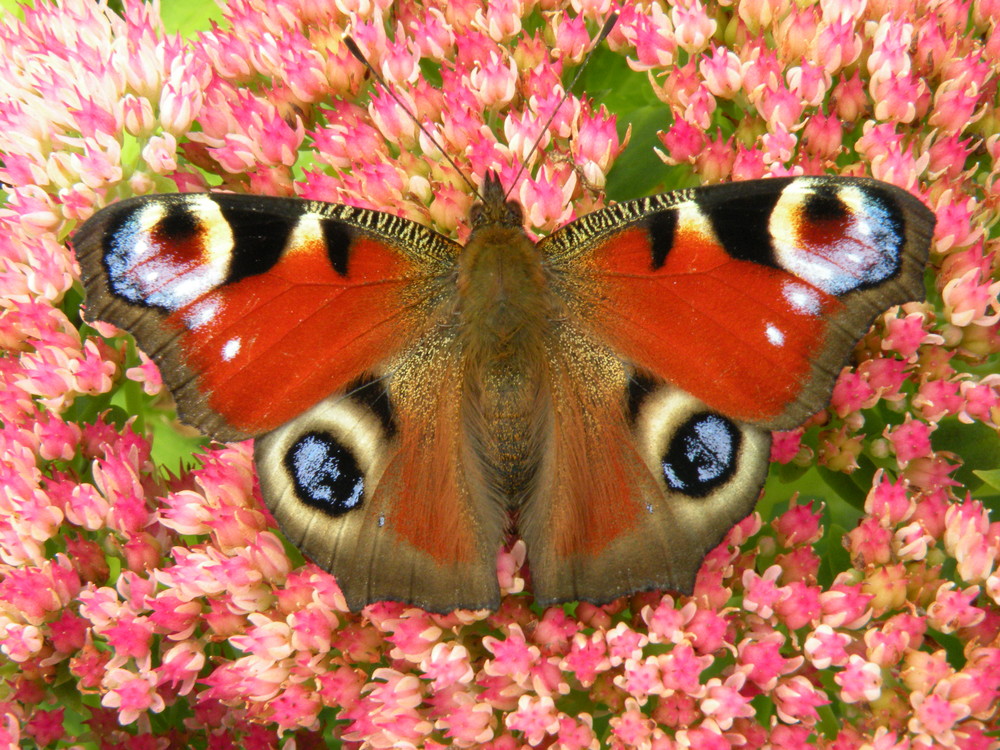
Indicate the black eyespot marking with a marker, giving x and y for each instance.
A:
(702, 455)
(325, 474)
(661, 228)
(338, 240)
(823, 204)
(178, 224)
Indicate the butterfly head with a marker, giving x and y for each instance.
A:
(493, 209)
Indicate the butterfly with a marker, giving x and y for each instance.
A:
(607, 392)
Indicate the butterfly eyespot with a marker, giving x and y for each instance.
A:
(702, 456)
(325, 474)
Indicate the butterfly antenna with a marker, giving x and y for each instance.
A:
(605, 30)
(355, 50)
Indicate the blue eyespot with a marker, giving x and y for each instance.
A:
(325, 474)
(702, 455)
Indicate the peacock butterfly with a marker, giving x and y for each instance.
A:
(607, 392)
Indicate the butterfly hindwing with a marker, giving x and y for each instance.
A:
(375, 485)
(639, 482)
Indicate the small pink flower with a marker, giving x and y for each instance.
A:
(495, 81)
(799, 605)
(312, 629)
(681, 667)
(148, 374)
(653, 39)
(294, 707)
(851, 393)
(860, 680)
(181, 666)
(534, 717)
(624, 643)
(577, 733)
(692, 26)
(587, 658)
(970, 301)
(631, 726)
(448, 665)
(910, 440)
(467, 723)
(785, 446)
(512, 656)
(982, 401)
(846, 606)
(838, 45)
(45, 727)
(132, 694)
(952, 609)
(870, 543)
(722, 71)
(796, 700)
(761, 593)
(956, 104)
(21, 642)
(762, 655)
(683, 142)
(723, 701)
(596, 147)
(130, 637)
(800, 524)
(934, 717)
(826, 647)
(641, 678)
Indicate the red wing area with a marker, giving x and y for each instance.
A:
(412, 521)
(748, 295)
(255, 309)
(737, 335)
(276, 343)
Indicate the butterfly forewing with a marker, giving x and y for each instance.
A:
(750, 296)
(257, 308)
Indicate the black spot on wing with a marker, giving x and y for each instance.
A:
(823, 204)
(639, 387)
(338, 238)
(325, 474)
(702, 456)
(259, 238)
(661, 227)
(739, 216)
(372, 394)
(177, 225)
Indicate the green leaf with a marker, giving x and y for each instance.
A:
(16, 7)
(977, 444)
(188, 17)
(990, 478)
(170, 448)
(639, 171)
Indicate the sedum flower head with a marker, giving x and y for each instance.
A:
(147, 598)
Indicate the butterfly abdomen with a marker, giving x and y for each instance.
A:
(505, 311)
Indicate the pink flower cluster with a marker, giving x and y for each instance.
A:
(147, 603)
